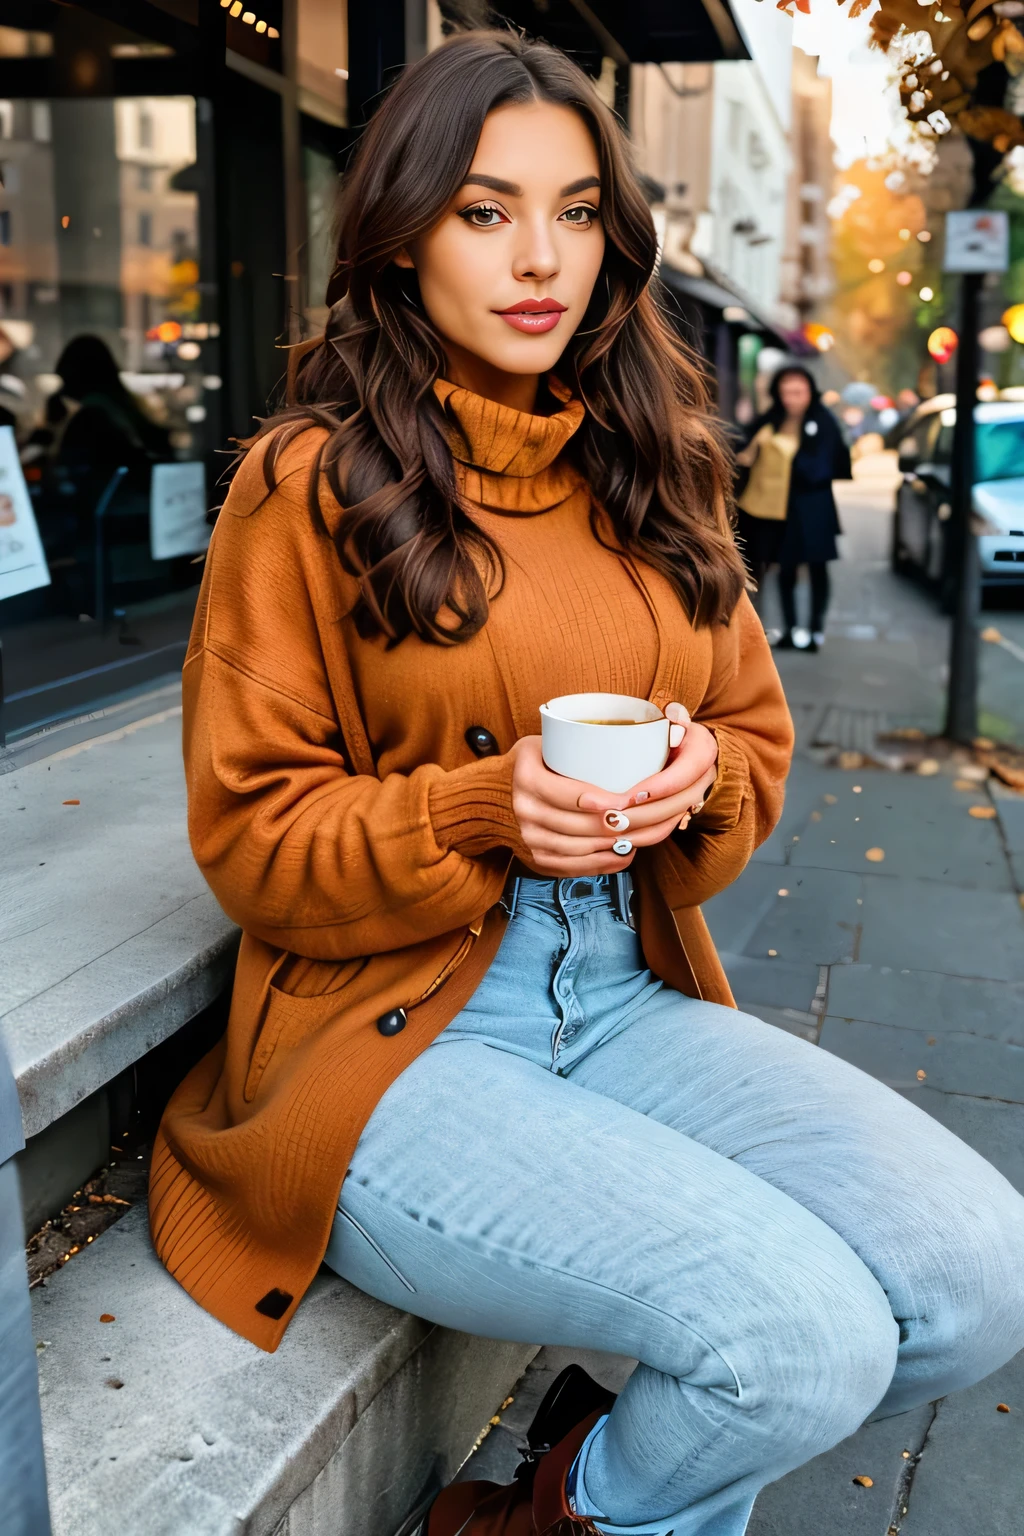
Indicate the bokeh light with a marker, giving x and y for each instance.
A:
(942, 343)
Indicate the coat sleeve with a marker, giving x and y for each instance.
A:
(301, 851)
(745, 707)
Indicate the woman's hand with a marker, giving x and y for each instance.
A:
(569, 827)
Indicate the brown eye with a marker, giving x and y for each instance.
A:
(581, 216)
(480, 216)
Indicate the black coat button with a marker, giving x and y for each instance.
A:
(392, 1023)
(482, 742)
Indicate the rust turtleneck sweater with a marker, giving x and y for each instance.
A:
(340, 815)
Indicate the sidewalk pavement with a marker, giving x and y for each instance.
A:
(883, 921)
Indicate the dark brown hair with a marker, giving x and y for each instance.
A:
(647, 446)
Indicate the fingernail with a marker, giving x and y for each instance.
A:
(642, 795)
(616, 820)
(676, 734)
(622, 845)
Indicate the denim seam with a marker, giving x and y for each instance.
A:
(511, 1257)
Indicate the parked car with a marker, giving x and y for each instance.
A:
(921, 516)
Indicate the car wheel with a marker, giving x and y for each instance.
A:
(897, 554)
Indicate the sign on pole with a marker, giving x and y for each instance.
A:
(177, 511)
(23, 564)
(977, 240)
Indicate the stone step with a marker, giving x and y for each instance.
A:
(164, 1423)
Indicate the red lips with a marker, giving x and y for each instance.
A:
(534, 307)
(533, 316)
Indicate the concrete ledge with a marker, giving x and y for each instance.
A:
(109, 937)
(164, 1423)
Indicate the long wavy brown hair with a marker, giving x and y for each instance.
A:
(648, 446)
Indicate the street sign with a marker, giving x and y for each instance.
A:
(23, 564)
(977, 240)
(177, 510)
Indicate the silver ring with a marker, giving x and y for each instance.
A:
(622, 845)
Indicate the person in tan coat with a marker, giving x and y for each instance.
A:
(482, 1056)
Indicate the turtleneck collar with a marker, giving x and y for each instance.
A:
(507, 459)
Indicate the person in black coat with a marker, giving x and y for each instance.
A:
(804, 532)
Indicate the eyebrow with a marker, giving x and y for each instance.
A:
(512, 188)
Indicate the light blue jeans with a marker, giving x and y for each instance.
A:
(585, 1157)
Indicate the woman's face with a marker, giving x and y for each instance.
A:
(506, 274)
(795, 394)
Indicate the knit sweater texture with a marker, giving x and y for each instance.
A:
(341, 817)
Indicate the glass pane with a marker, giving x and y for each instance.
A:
(107, 354)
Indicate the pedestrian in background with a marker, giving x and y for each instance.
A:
(787, 512)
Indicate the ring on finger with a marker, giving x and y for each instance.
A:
(622, 846)
(616, 820)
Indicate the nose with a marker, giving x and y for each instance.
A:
(536, 256)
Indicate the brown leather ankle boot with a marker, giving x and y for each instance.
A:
(535, 1504)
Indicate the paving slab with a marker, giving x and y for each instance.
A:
(952, 1062)
(1010, 806)
(993, 1128)
(734, 914)
(821, 1498)
(805, 786)
(772, 983)
(162, 1421)
(928, 926)
(929, 1001)
(968, 1481)
(921, 824)
(818, 920)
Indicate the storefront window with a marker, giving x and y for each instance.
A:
(109, 363)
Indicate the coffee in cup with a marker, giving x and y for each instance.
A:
(585, 736)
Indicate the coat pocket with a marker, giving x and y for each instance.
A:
(285, 1015)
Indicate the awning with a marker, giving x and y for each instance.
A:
(706, 291)
(633, 31)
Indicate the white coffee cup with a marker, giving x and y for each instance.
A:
(611, 756)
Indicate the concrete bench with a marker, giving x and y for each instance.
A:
(163, 1422)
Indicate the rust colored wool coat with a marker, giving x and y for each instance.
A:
(342, 819)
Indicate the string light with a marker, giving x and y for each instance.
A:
(235, 8)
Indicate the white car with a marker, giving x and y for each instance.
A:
(921, 517)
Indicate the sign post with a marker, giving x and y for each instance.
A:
(977, 241)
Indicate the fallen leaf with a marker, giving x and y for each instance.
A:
(921, 1075)
(992, 635)
(107, 1317)
(71, 802)
(858, 789)
(875, 855)
(830, 799)
(772, 953)
(784, 891)
(964, 784)
(815, 815)
(115, 1382)
(982, 812)
(1002, 1407)
(928, 767)
(865, 1482)
(851, 760)
(905, 1455)
(930, 1040)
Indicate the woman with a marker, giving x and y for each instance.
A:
(98, 423)
(787, 513)
(453, 1065)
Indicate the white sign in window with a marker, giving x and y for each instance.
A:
(977, 240)
(23, 565)
(177, 511)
